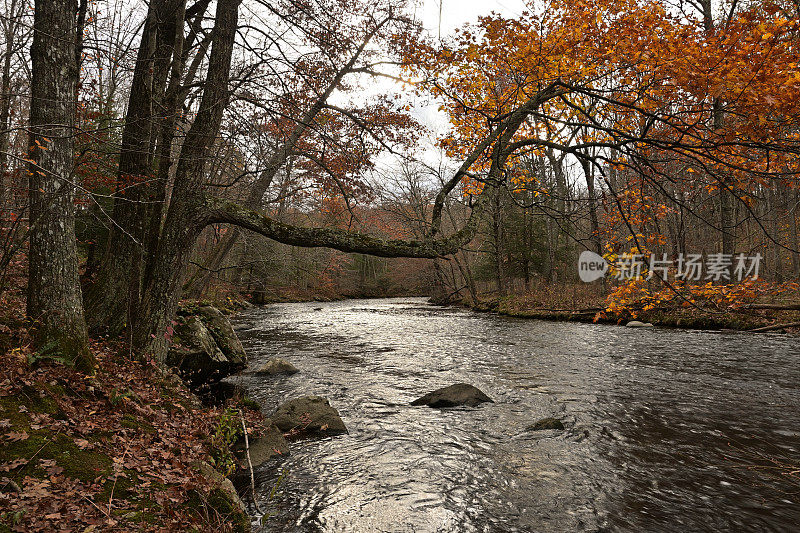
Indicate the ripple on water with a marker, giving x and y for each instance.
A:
(667, 430)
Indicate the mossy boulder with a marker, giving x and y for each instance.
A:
(309, 415)
(453, 396)
(225, 500)
(223, 333)
(196, 355)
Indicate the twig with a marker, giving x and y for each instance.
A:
(116, 477)
(778, 307)
(249, 463)
(96, 507)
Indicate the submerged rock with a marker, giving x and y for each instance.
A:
(309, 415)
(452, 396)
(276, 365)
(546, 423)
(638, 324)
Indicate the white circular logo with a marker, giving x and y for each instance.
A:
(591, 266)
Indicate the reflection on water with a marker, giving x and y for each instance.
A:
(667, 430)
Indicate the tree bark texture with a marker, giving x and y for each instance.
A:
(55, 303)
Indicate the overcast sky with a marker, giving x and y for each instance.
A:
(458, 12)
(454, 14)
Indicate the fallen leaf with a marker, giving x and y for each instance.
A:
(54, 470)
(15, 436)
(6, 467)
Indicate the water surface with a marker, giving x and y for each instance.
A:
(666, 430)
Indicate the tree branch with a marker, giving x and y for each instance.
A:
(218, 210)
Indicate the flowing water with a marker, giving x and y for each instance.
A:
(666, 430)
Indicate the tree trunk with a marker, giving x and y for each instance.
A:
(593, 221)
(776, 208)
(727, 223)
(497, 234)
(561, 210)
(54, 297)
(184, 221)
(5, 103)
(171, 43)
(113, 299)
(440, 295)
(794, 196)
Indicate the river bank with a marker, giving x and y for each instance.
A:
(782, 315)
(130, 447)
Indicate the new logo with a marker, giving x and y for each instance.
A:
(591, 266)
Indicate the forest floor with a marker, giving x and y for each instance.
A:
(121, 450)
(586, 303)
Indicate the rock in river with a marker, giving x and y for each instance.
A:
(638, 324)
(311, 415)
(452, 396)
(546, 423)
(276, 365)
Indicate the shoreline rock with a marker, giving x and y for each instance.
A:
(223, 333)
(205, 348)
(225, 499)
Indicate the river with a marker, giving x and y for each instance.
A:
(666, 429)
